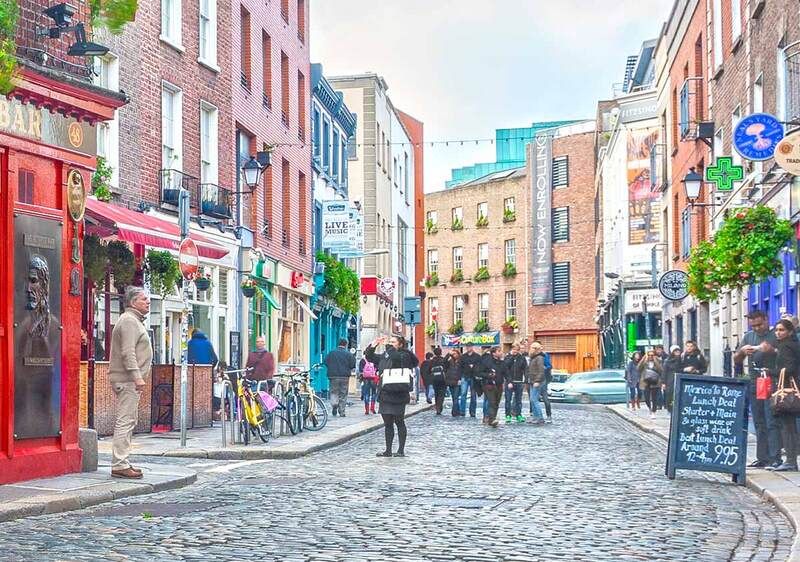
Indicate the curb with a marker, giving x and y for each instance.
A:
(287, 453)
(91, 496)
(791, 510)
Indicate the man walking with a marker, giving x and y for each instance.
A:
(340, 363)
(693, 361)
(768, 437)
(129, 368)
(470, 364)
(516, 369)
(536, 371)
(493, 382)
(262, 363)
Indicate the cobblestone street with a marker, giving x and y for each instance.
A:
(588, 487)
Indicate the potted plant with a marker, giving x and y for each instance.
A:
(341, 284)
(430, 329)
(456, 329)
(510, 325)
(95, 258)
(431, 227)
(481, 326)
(457, 224)
(248, 287)
(163, 272)
(509, 215)
(482, 221)
(101, 180)
(510, 270)
(482, 274)
(457, 276)
(122, 262)
(203, 280)
(432, 279)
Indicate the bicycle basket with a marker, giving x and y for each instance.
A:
(267, 401)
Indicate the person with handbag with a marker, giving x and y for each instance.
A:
(633, 378)
(437, 371)
(651, 373)
(786, 400)
(396, 370)
(452, 379)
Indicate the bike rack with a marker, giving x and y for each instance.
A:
(283, 429)
(225, 394)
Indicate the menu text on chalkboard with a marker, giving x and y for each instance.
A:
(708, 430)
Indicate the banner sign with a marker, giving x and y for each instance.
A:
(787, 154)
(636, 300)
(674, 285)
(708, 431)
(757, 135)
(542, 185)
(471, 338)
(342, 229)
(644, 207)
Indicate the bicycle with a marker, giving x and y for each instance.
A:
(251, 410)
(289, 404)
(315, 412)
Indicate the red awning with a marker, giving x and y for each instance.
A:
(148, 230)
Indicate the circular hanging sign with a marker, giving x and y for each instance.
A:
(757, 135)
(188, 258)
(674, 285)
(387, 286)
(787, 154)
(76, 195)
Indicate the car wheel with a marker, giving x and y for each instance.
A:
(585, 399)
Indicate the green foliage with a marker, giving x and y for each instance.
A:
(482, 274)
(481, 326)
(458, 224)
(165, 273)
(509, 215)
(101, 180)
(432, 279)
(112, 14)
(9, 14)
(456, 329)
(482, 221)
(430, 329)
(457, 276)
(745, 250)
(511, 323)
(431, 227)
(342, 284)
(510, 270)
(95, 258)
(121, 262)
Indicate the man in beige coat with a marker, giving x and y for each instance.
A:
(130, 360)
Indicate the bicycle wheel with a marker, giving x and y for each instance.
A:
(294, 413)
(262, 429)
(316, 420)
(244, 425)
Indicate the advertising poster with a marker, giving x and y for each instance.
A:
(644, 209)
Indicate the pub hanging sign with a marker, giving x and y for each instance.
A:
(42, 125)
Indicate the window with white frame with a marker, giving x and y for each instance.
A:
(483, 255)
(432, 218)
(433, 305)
(511, 304)
(458, 259)
(511, 251)
(458, 309)
(171, 127)
(433, 261)
(736, 20)
(106, 70)
(458, 214)
(208, 32)
(736, 116)
(171, 22)
(716, 16)
(483, 307)
(209, 165)
(483, 210)
(509, 205)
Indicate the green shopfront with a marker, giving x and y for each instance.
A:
(263, 304)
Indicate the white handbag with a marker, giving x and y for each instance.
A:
(397, 379)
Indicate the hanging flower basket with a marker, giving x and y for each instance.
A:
(248, 288)
(202, 283)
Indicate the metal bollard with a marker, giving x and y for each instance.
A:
(222, 417)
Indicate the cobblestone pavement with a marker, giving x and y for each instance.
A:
(586, 488)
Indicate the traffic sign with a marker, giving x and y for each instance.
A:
(757, 135)
(674, 285)
(188, 258)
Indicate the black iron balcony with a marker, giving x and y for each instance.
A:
(285, 117)
(285, 237)
(266, 101)
(172, 181)
(302, 246)
(215, 201)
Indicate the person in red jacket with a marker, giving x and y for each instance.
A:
(262, 362)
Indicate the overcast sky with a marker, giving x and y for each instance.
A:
(467, 67)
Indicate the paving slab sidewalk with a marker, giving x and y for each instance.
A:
(84, 489)
(206, 443)
(780, 488)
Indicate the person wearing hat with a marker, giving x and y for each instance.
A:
(672, 364)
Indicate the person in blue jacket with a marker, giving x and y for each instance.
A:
(200, 351)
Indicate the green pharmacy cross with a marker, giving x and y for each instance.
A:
(724, 173)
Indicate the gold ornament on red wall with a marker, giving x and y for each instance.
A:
(76, 195)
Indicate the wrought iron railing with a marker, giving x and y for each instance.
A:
(215, 201)
(172, 181)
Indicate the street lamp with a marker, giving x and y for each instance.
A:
(252, 173)
(692, 183)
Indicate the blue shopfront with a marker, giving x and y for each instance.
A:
(331, 325)
(777, 295)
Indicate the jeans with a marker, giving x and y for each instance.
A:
(370, 391)
(514, 399)
(431, 393)
(652, 397)
(536, 409)
(454, 393)
(467, 386)
(634, 392)
(768, 436)
(546, 400)
(492, 395)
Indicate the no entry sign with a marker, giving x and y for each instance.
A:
(188, 259)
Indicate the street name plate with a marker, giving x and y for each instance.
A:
(708, 430)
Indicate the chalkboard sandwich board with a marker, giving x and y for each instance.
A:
(708, 430)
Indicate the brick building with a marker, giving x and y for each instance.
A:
(562, 304)
(455, 245)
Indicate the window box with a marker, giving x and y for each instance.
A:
(481, 326)
(482, 275)
(457, 277)
(482, 221)
(509, 216)
(510, 270)
(458, 224)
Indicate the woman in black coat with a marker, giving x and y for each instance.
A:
(437, 375)
(788, 359)
(392, 401)
(452, 378)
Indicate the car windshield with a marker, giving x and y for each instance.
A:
(596, 375)
(560, 377)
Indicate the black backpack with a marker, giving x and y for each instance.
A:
(437, 372)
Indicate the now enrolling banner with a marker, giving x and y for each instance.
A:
(542, 262)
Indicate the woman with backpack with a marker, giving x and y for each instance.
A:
(396, 370)
(651, 380)
(369, 381)
(452, 378)
(437, 371)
